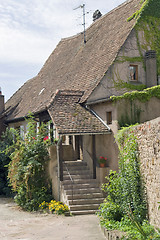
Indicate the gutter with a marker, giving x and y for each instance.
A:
(101, 100)
(84, 133)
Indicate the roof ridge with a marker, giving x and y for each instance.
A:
(65, 92)
(99, 19)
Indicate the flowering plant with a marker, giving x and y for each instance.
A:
(102, 159)
(45, 138)
(54, 207)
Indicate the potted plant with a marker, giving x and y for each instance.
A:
(102, 161)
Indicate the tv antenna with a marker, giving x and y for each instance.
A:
(84, 20)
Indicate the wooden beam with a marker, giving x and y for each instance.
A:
(94, 155)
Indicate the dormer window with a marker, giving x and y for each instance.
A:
(133, 71)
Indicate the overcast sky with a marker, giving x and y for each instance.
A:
(31, 29)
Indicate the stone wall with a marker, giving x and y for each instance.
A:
(112, 234)
(148, 136)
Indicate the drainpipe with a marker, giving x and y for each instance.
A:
(59, 165)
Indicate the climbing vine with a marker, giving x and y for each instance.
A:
(147, 30)
(126, 190)
(148, 23)
(142, 96)
(120, 83)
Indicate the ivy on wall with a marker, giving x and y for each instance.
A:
(120, 83)
(126, 190)
(142, 96)
(132, 118)
(147, 30)
(148, 22)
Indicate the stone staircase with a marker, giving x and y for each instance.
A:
(81, 192)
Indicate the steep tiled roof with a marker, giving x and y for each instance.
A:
(75, 65)
(70, 117)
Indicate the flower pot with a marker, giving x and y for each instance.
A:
(102, 165)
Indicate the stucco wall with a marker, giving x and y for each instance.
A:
(106, 147)
(148, 110)
(102, 108)
(122, 108)
(119, 71)
(148, 137)
(52, 171)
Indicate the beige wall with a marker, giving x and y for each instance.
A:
(149, 110)
(52, 171)
(119, 71)
(148, 137)
(102, 108)
(106, 147)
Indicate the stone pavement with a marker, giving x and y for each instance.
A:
(19, 225)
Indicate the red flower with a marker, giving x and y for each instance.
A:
(45, 138)
(34, 138)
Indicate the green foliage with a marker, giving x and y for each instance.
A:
(122, 59)
(133, 192)
(148, 22)
(27, 167)
(138, 13)
(142, 96)
(125, 207)
(120, 83)
(126, 191)
(7, 140)
(142, 231)
(123, 84)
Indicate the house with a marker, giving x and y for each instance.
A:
(73, 89)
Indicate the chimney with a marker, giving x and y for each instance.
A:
(2, 126)
(151, 68)
(97, 14)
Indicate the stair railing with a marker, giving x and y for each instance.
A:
(72, 181)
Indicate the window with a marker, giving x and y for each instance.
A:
(109, 117)
(133, 69)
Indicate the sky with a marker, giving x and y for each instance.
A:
(30, 31)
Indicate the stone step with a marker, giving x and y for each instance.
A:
(83, 212)
(78, 181)
(86, 201)
(82, 191)
(77, 172)
(67, 177)
(75, 163)
(84, 207)
(81, 185)
(85, 195)
(75, 168)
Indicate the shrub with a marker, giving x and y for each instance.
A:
(27, 167)
(125, 190)
(6, 141)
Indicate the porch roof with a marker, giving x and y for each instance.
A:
(71, 118)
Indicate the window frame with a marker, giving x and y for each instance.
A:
(109, 118)
(136, 73)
